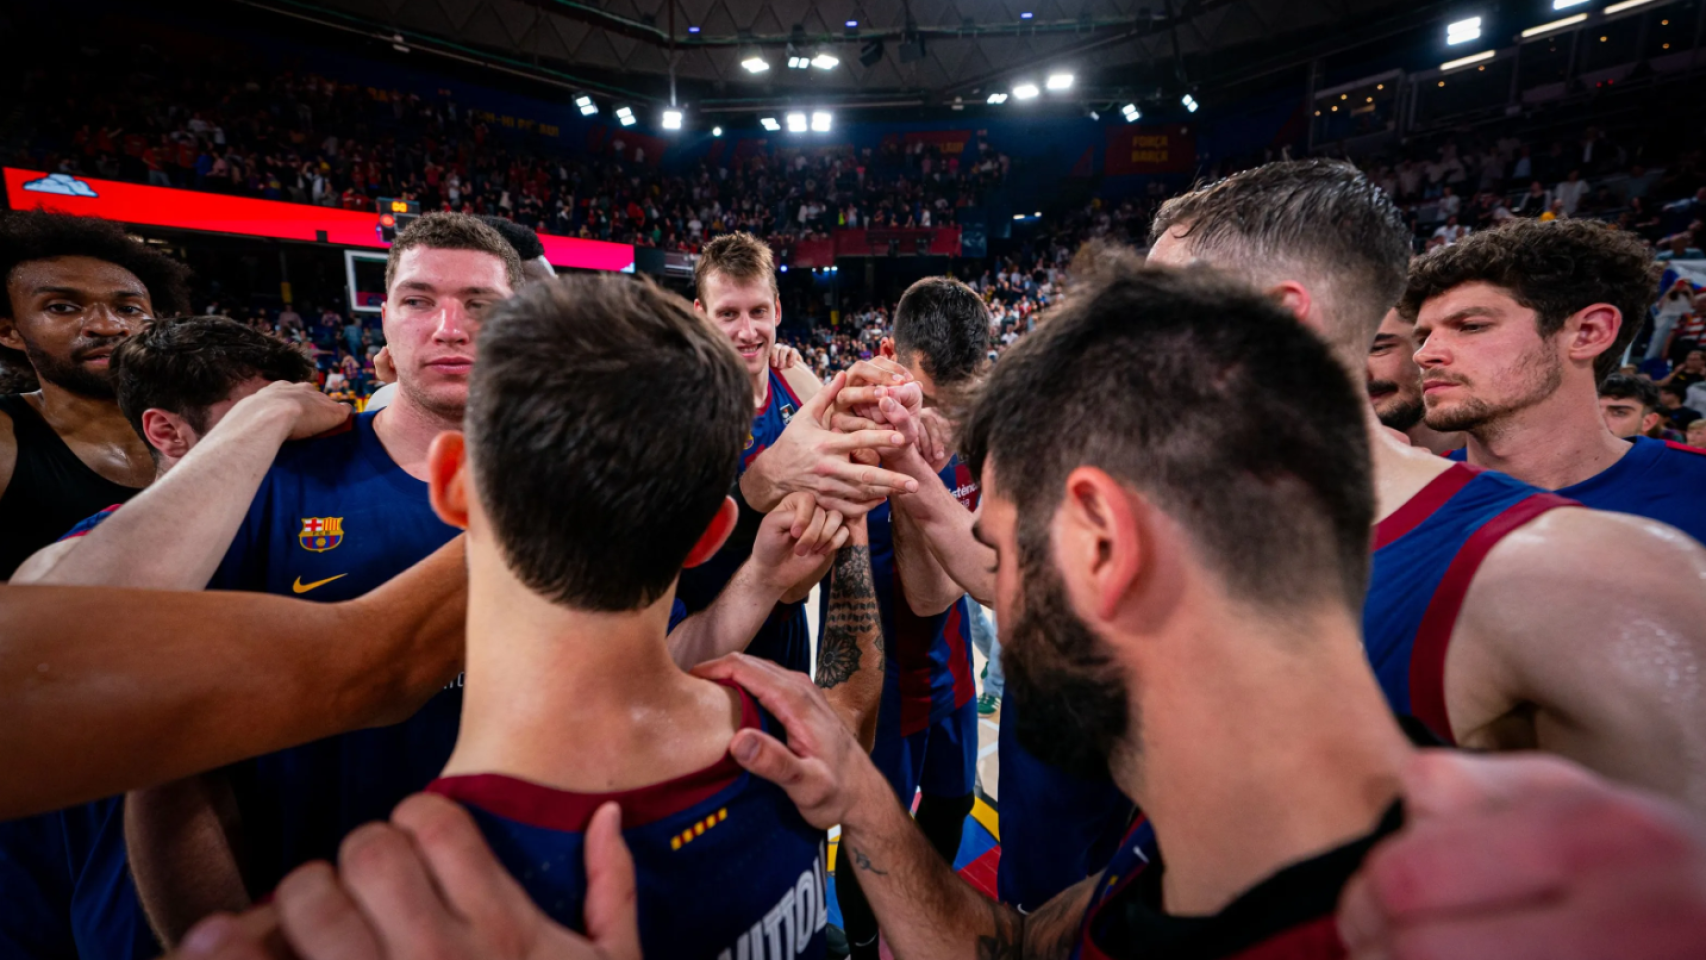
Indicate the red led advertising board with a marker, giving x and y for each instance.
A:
(215, 213)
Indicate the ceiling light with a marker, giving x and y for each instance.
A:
(796, 123)
(825, 61)
(1059, 81)
(1625, 5)
(1018, 216)
(1025, 91)
(692, 29)
(1037, 214)
(588, 108)
(1466, 61)
(852, 24)
(625, 115)
(1131, 112)
(755, 64)
(672, 119)
(1463, 31)
(716, 131)
(770, 124)
(1025, 16)
(1554, 25)
(1566, 4)
(798, 63)
(998, 98)
(1190, 102)
(820, 122)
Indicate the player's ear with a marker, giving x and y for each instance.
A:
(166, 433)
(1650, 421)
(9, 333)
(718, 531)
(886, 348)
(1100, 546)
(447, 478)
(1296, 300)
(1595, 331)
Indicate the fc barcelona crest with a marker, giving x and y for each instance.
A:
(320, 534)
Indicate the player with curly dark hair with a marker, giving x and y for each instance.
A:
(1517, 327)
(74, 288)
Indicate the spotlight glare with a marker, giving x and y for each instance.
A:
(820, 121)
(1566, 4)
(672, 119)
(1131, 112)
(852, 24)
(998, 98)
(716, 131)
(1554, 25)
(1190, 103)
(755, 64)
(692, 29)
(1025, 91)
(1466, 61)
(796, 123)
(1625, 5)
(1059, 81)
(1463, 31)
(824, 61)
(770, 124)
(1026, 15)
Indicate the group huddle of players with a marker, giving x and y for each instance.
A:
(549, 668)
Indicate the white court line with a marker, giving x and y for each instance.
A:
(986, 751)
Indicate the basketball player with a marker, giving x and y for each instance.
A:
(926, 742)
(578, 528)
(735, 283)
(1395, 385)
(1494, 641)
(1517, 330)
(335, 517)
(176, 381)
(1180, 607)
(74, 288)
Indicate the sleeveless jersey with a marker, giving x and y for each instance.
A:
(65, 887)
(1425, 557)
(784, 638)
(1288, 916)
(50, 488)
(929, 673)
(334, 518)
(1658, 479)
(725, 867)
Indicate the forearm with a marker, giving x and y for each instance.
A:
(946, 529)
(761, 490)
(927, 587)
(851, 658)
(926, 911)
(148, 544)
(729, 623)
(177, 838)
(229, 675)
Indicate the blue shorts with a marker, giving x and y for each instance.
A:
(941, 759)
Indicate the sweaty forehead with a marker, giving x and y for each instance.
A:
(87, 275)
(1171, 249)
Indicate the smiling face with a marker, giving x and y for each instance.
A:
(747, 313)
(1482, 358)
(67, 315)
(432, 315)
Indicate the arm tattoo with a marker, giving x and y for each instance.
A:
(852, 617)
(864, 863)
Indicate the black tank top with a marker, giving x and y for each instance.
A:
(50, 490)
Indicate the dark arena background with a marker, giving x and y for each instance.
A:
(275, 149)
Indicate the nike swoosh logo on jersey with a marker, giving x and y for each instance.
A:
(300, 587)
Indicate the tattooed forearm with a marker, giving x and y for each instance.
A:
(853, 619)
(1008, 940)
(864, 863)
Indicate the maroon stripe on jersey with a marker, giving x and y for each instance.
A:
(1685, 448)
(1422, 506)
(1433, 636)
(911, 658)
(538, 805)
(782, 381)
(959, 663)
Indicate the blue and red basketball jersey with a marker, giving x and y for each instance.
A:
(1425, 557)
(929, 671)
(334, 518)
(785, 637)
(725, 866)
(89, 523)
(1659, 479)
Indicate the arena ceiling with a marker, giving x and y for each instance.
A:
(890, 52)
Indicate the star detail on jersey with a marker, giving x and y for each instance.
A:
(300, 587)
(320, 534)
